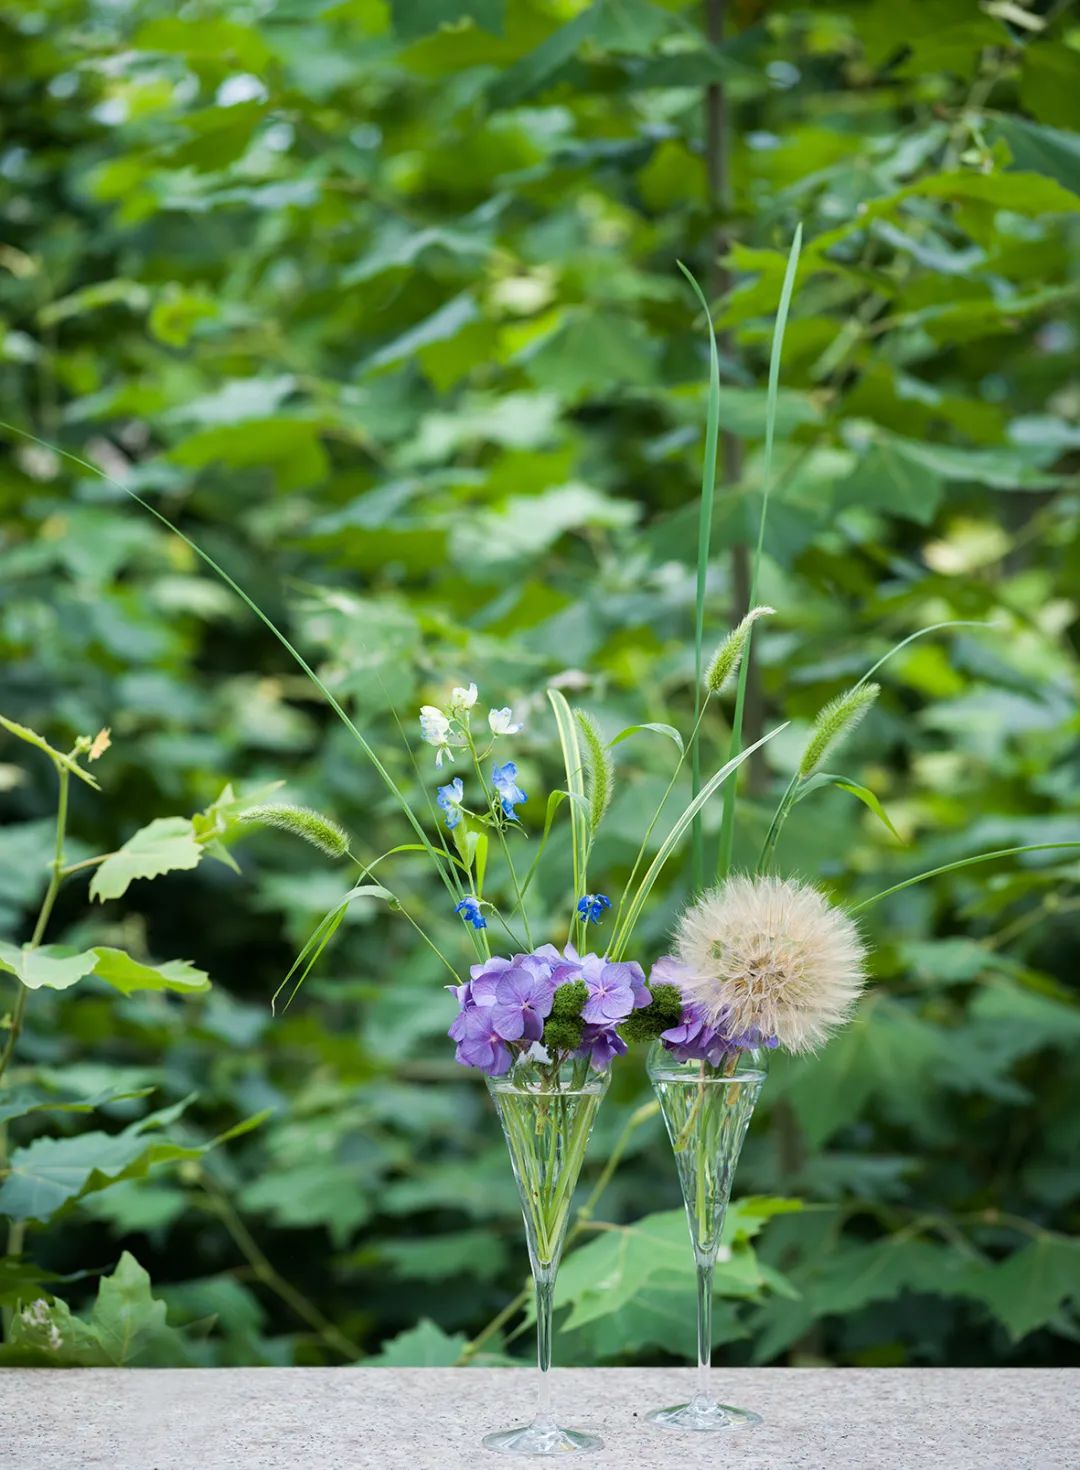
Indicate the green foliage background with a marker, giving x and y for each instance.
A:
(387, 317)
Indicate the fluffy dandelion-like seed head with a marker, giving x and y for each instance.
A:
(772, 954)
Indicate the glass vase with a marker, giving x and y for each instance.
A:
(707, 1111)
(547, 1117)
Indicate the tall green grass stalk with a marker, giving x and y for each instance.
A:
(727, 826)
(705, 519)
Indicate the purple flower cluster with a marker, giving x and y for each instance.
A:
(505, 1003)
(695, 1038)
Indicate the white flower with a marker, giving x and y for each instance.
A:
(772, 954)
(462, 699)
(434, 726)
(501, 721)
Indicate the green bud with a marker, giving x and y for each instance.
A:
(301, 821)
(725, 661)
(562, 1034)
(835, 722)
(646, 1023)
(569, 999)
(599, 769)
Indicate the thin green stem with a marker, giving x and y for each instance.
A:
(787, 801)
(504, 845)
(86, 863)
(640, 858)
(269, 1275)
(56, 871)
(982, 857)
(727, 827)
(705, 517)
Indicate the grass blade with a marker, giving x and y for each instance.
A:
(575, 786)
(727, 828)
(982, 857)
(705, 518)
(667, 847)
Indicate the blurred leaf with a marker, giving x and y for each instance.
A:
(57, 966)
(1029, 1288)
(424, 1346)
(46, 1173)
(128, 976)
(126, 1326)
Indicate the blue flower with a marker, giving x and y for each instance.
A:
(469, 909)
(591, 907)
(504, 780)
(449, 798)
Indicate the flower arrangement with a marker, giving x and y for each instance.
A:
(759, 961)
(542, 1005)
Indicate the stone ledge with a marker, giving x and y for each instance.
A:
(433, 1418)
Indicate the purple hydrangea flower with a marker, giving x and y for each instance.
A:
(591, 907)
(505, 1002)
(480, 1044)
(616, 987)
(695, 1039)
(523, 997)
(602, 1044)
(504, 780)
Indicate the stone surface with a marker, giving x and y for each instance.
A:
(433, 1418)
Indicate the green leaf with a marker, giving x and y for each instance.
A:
(493, 541)
(657, 729)
(1029, 1288)
(1042, 150)
(126, 1327)
(591, 352)
(609, 1271)
(321, 936)
(574, 766)
(884, 1053)
(414, 18)
(321, 1192)
(442, 325)
(54, 966)
(1024, 193)
(57, 757)
(123, 973)
(166, 845)
(424, 1346)
(845, 783)
(776, 351)
(48, 1172)
(17, 1102)
(444, 1257)
(885, 479)
(21, 1280)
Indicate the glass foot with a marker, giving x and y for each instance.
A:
(701, 1415)
(542, 1439)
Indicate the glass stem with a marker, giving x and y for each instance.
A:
(544, 1282)
(704, 1330)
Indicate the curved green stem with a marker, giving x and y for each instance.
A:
(55, 876)
(982, 857)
